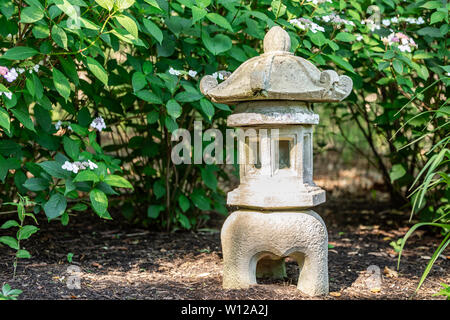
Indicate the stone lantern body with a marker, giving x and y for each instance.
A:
(273, 94)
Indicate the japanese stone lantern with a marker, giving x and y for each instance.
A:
(273, 94)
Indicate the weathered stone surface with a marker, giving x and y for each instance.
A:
(278, 75)
(249, 236)
(267, 186)
(272, 193)
(272, 113)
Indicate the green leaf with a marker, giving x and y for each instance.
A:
(341, 62)
(184, 221)
(117, 181)
(26, 231)
(54, 169)
(5, 121)
(173, 108)
(128, 24)
(107, 4)
(124, 4)
(188, 96)
(59, 36)
(23, 254)
(72, 147)
(207, 108)
(19, 53)
(10, 241)
(209, 178)
(200, 200)
(148, 96)
(397, 171)
(345, 37)
(154, 210)
(438, 16)
(183, 202)
(79, 207)
(86, 175)
(218, 44)
(61, 83)
(22, 114)
(31, 14)
(99, 201)
(152, 117)
(278, 8)
(198, 14)
(55, 206)
(9, 224)
(139, 81)
(159, 189)
(97, 69)
(398, 66)
(219, 20)
(36, 184)
(153, 29)
(170, 124)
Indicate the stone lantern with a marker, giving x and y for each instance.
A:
(273, 94)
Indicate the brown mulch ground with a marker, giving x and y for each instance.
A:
(122, 262)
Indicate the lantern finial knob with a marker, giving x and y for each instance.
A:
(277, 39)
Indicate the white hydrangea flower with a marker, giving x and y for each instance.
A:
(174, 72)
(58, 125)
(91, 165)
(20, 70)
(77, 166)
(7, 94)
(11, 75)
(386, 22)
(306, 24)
(36, 68)
(192, 73)
(359, 37)
(336, 19)
(316, 2)
(70, 167)
(401, 40)
(98, 123)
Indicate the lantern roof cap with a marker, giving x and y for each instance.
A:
(277, 75)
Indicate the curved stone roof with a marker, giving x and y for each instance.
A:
(277, 75)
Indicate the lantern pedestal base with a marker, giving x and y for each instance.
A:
(249, 236)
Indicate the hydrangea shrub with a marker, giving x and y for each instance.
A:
(91, 91)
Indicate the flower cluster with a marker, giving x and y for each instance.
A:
(98, 123)
(394, 20)
(306, 24)
(11, 75)
(7, 94)
(316, 2)
(371, 24)
(78, 166)
(401, 40)
(174, 72)
(59, 125)
(336, 19)
(221, 75)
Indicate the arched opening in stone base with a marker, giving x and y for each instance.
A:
(273, 269)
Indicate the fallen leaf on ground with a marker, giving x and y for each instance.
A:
(335, 294)
(390, 273)
(375, 290)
